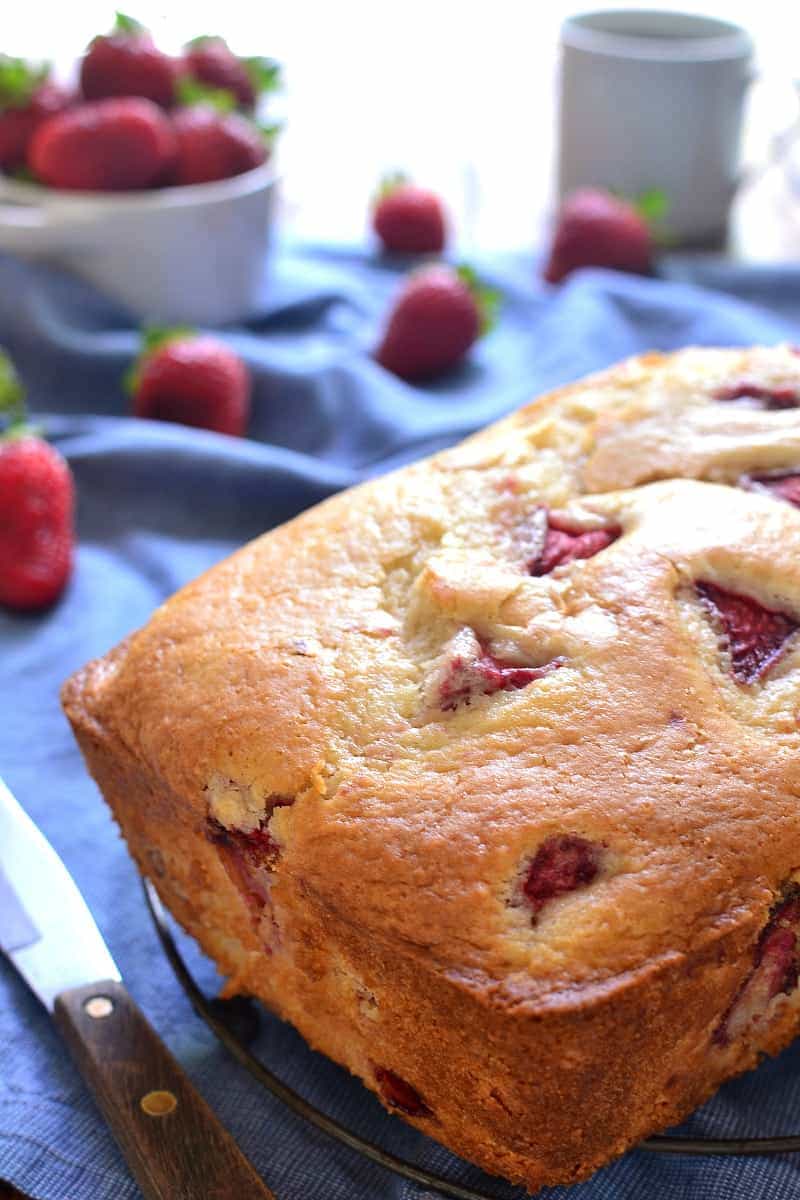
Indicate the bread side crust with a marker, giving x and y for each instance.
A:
(540, 1096)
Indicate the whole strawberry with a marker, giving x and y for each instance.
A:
(106, 146)
(597, 229)
(126, 62)
(409, 219)
(27, 98)
(191, 379)
(214, 145)
(438, 315)
(37, 500)
(211, 61)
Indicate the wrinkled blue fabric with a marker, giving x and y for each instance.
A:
(158, 504)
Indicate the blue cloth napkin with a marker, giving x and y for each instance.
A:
(158, 504)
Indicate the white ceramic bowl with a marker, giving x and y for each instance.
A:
(192, 254)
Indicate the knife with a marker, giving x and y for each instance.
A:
(173, 1143)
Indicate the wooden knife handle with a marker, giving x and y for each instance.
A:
(173, 1143)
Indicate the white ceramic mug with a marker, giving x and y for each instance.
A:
(655, 100)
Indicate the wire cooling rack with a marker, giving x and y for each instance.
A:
(340, 1133)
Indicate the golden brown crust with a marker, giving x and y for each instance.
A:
(290, 694)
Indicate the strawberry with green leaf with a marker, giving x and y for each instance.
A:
(440, 313)
(599, 229)
(126, 62)
(37, 500)
(409, 219)
(215, 144)
(211, 61)
(28, 97)
(192, 379)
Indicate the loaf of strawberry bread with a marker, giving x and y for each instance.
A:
(486, 774)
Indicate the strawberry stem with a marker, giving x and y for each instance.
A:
(12, 396)
(23, 174)
(265, 73)
(19, 80)
(125, 24)
(488, 300)
(390, 183)
(154, 337)
(191, 91)
(269, 132)
(203, 39)
(652, 205)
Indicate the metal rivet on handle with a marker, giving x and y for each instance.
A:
(158, 1104)
(98, 1006)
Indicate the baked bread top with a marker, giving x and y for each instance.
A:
(528, 708)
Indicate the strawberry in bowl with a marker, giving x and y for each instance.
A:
(127, 62)
(210, 144)
(211, 62)
(105, 146)
(28, 96)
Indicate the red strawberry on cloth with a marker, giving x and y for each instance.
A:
(107, 146)
(37, 499)
(126, 62)
(215, 145)
(211, 61)
(191, 379)
(409, 219)
(598, 229)
(438, 315)
(27, 98)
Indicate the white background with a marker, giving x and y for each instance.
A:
(463, 95)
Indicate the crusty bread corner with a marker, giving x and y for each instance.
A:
(347, 811)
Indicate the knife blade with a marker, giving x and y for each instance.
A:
(63, 947)
(173, 1143)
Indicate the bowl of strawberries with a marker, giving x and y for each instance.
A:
(152, 178)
